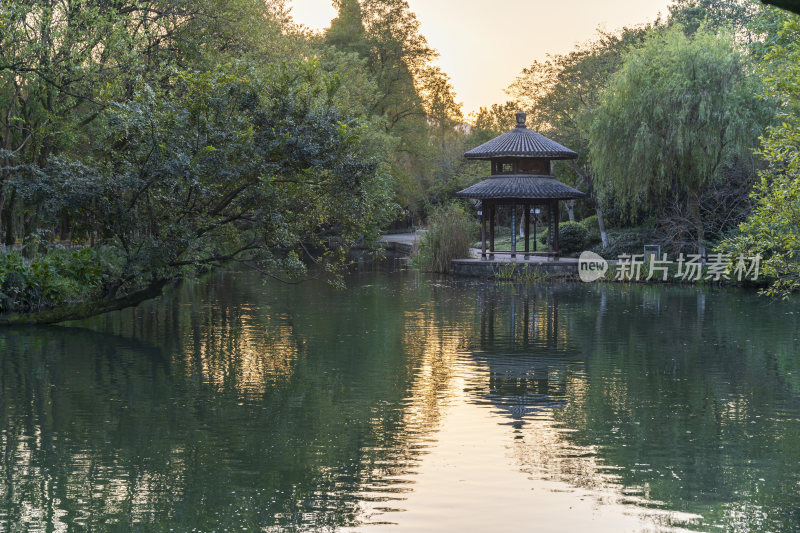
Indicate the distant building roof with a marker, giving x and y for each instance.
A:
(521, 142)
(520, 186)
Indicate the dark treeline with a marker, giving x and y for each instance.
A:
(145, 141)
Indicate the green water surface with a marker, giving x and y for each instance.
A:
(407, 403)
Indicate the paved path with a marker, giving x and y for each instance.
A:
(500, 257)
(410, 239)
(402, 238)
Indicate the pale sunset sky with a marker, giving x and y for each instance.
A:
(483, 45)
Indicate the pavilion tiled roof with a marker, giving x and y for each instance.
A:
(521, 142)
(520, 186)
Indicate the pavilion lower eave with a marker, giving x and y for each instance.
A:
(521, 187)
(525, 190)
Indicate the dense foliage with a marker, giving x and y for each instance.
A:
(675, 110)
(773, 229)
(52, 279)
(679, 110)
(626, 241)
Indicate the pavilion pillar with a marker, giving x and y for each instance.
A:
(483, 229)
(555, 234)
(550, 230)
(491, 231)
(513, 231)
(527, 216)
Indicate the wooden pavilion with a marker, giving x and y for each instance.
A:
(521, 176)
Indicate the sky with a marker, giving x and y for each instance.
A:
(483, 45)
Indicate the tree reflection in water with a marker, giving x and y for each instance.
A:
(231, 403)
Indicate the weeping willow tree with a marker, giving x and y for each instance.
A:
(678, 111)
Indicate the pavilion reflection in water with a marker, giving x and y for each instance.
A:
(525, 349)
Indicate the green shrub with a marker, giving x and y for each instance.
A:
(450, 231)
(572, 237)
(625, 241)
(593, 227)
(15, 282)
(58, 277)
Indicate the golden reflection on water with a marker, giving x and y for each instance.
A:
(464, 404)
(433, 347)
(248, 355)
(495, 457)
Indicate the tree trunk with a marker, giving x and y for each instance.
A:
(570, 207)
(602, 225)
(8, 220)
(2, 209)
(7, 160)
(600, 221)
(86, 310)
(64, 229)
(697, 220)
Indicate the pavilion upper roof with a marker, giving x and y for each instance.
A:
(521, 142)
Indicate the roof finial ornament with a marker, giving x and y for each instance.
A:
(521, 120)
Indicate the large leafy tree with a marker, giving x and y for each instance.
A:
(180, 136)
(63, 62)
(347, 31)
(773, 229)
(399, 53)
(413, 98)
(736, 15)
(675, 114)
(496, 119)
(228, 165)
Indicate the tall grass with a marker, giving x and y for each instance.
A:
(450, 231)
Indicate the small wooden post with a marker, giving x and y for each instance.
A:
(527, 215)
(483, 229)
(491, 232)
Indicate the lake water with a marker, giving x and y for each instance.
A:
(407, 403)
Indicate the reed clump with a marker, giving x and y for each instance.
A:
(448, 236)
